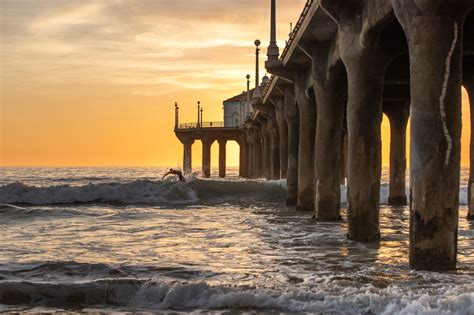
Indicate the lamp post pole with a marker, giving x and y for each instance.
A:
(257, 54)
(201, 117)
(199, 109)
(176, 110)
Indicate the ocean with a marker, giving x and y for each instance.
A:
(123, 240)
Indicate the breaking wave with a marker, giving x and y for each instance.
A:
(159, 192)
(141, 192)
(149, 294)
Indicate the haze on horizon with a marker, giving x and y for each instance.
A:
(93, 83)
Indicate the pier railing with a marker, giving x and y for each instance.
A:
(297, 28)
(205, 124)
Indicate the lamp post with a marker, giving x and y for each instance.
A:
(257, 54)
(176, 110)
(199, 108)
(201, 117)
(273, 51)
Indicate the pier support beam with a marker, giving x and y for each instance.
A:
(292, 118)
(365, 65)
(469, 85)
(187, 157)
(206, 157)
(329, 90)
(274, 145)
(307, 111)
(283, 136)
(436, 75)
(397, 113)
(222, 157)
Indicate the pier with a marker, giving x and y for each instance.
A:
(317, 121)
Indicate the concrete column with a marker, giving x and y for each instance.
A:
(266, 165)
(243, 167)
(250, 159)
(365, 65)
(258, 155)
(344, 158)
(283, 136)
(274, 145)
(292, 119)
(331, 101)
(436, 76)
(397, 113)
(307, 111)
(187, 158)
(206, 157)
(469, 85)
(222, 157)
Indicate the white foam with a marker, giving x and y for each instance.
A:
(385, 193)
(140, 191)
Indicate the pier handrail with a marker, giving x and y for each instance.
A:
(205, 124)
(296, 29)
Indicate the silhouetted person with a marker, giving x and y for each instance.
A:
(175, 172)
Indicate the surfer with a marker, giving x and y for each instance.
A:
(175, 172)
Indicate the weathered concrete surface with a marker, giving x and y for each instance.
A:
(243, 158)
(187, 156)
(292, 118)
(206, 157)
(283, 136)
(365, 64)
(274, 144)
(266, 166)
(435, 69)
(222, 157)
(469, 85)
(251, 172)
(258, 154)
(306, 172)
(397, 113)
(329, 87)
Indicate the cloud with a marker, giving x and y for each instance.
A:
(181, 44)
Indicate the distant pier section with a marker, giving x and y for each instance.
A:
(208, 133)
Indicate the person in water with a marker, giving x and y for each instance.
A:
(175, 172)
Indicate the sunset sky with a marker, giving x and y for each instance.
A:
(93, 83)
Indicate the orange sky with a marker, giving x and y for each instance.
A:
(93, 83)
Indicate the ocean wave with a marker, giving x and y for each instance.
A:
(141, 192)
(158, 192)
(154, 295)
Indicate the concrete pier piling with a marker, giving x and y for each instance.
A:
(307, 111)
(365, 63)
(206, 157)
(222, 157)
(317, 121)
(283, 136)
(397, 113)
(329, 87)
(274, 144)
(187, 159)
(293, 122)
(436, 76)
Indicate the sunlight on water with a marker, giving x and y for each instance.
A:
(240, 250)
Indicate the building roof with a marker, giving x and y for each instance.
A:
(239, 97)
